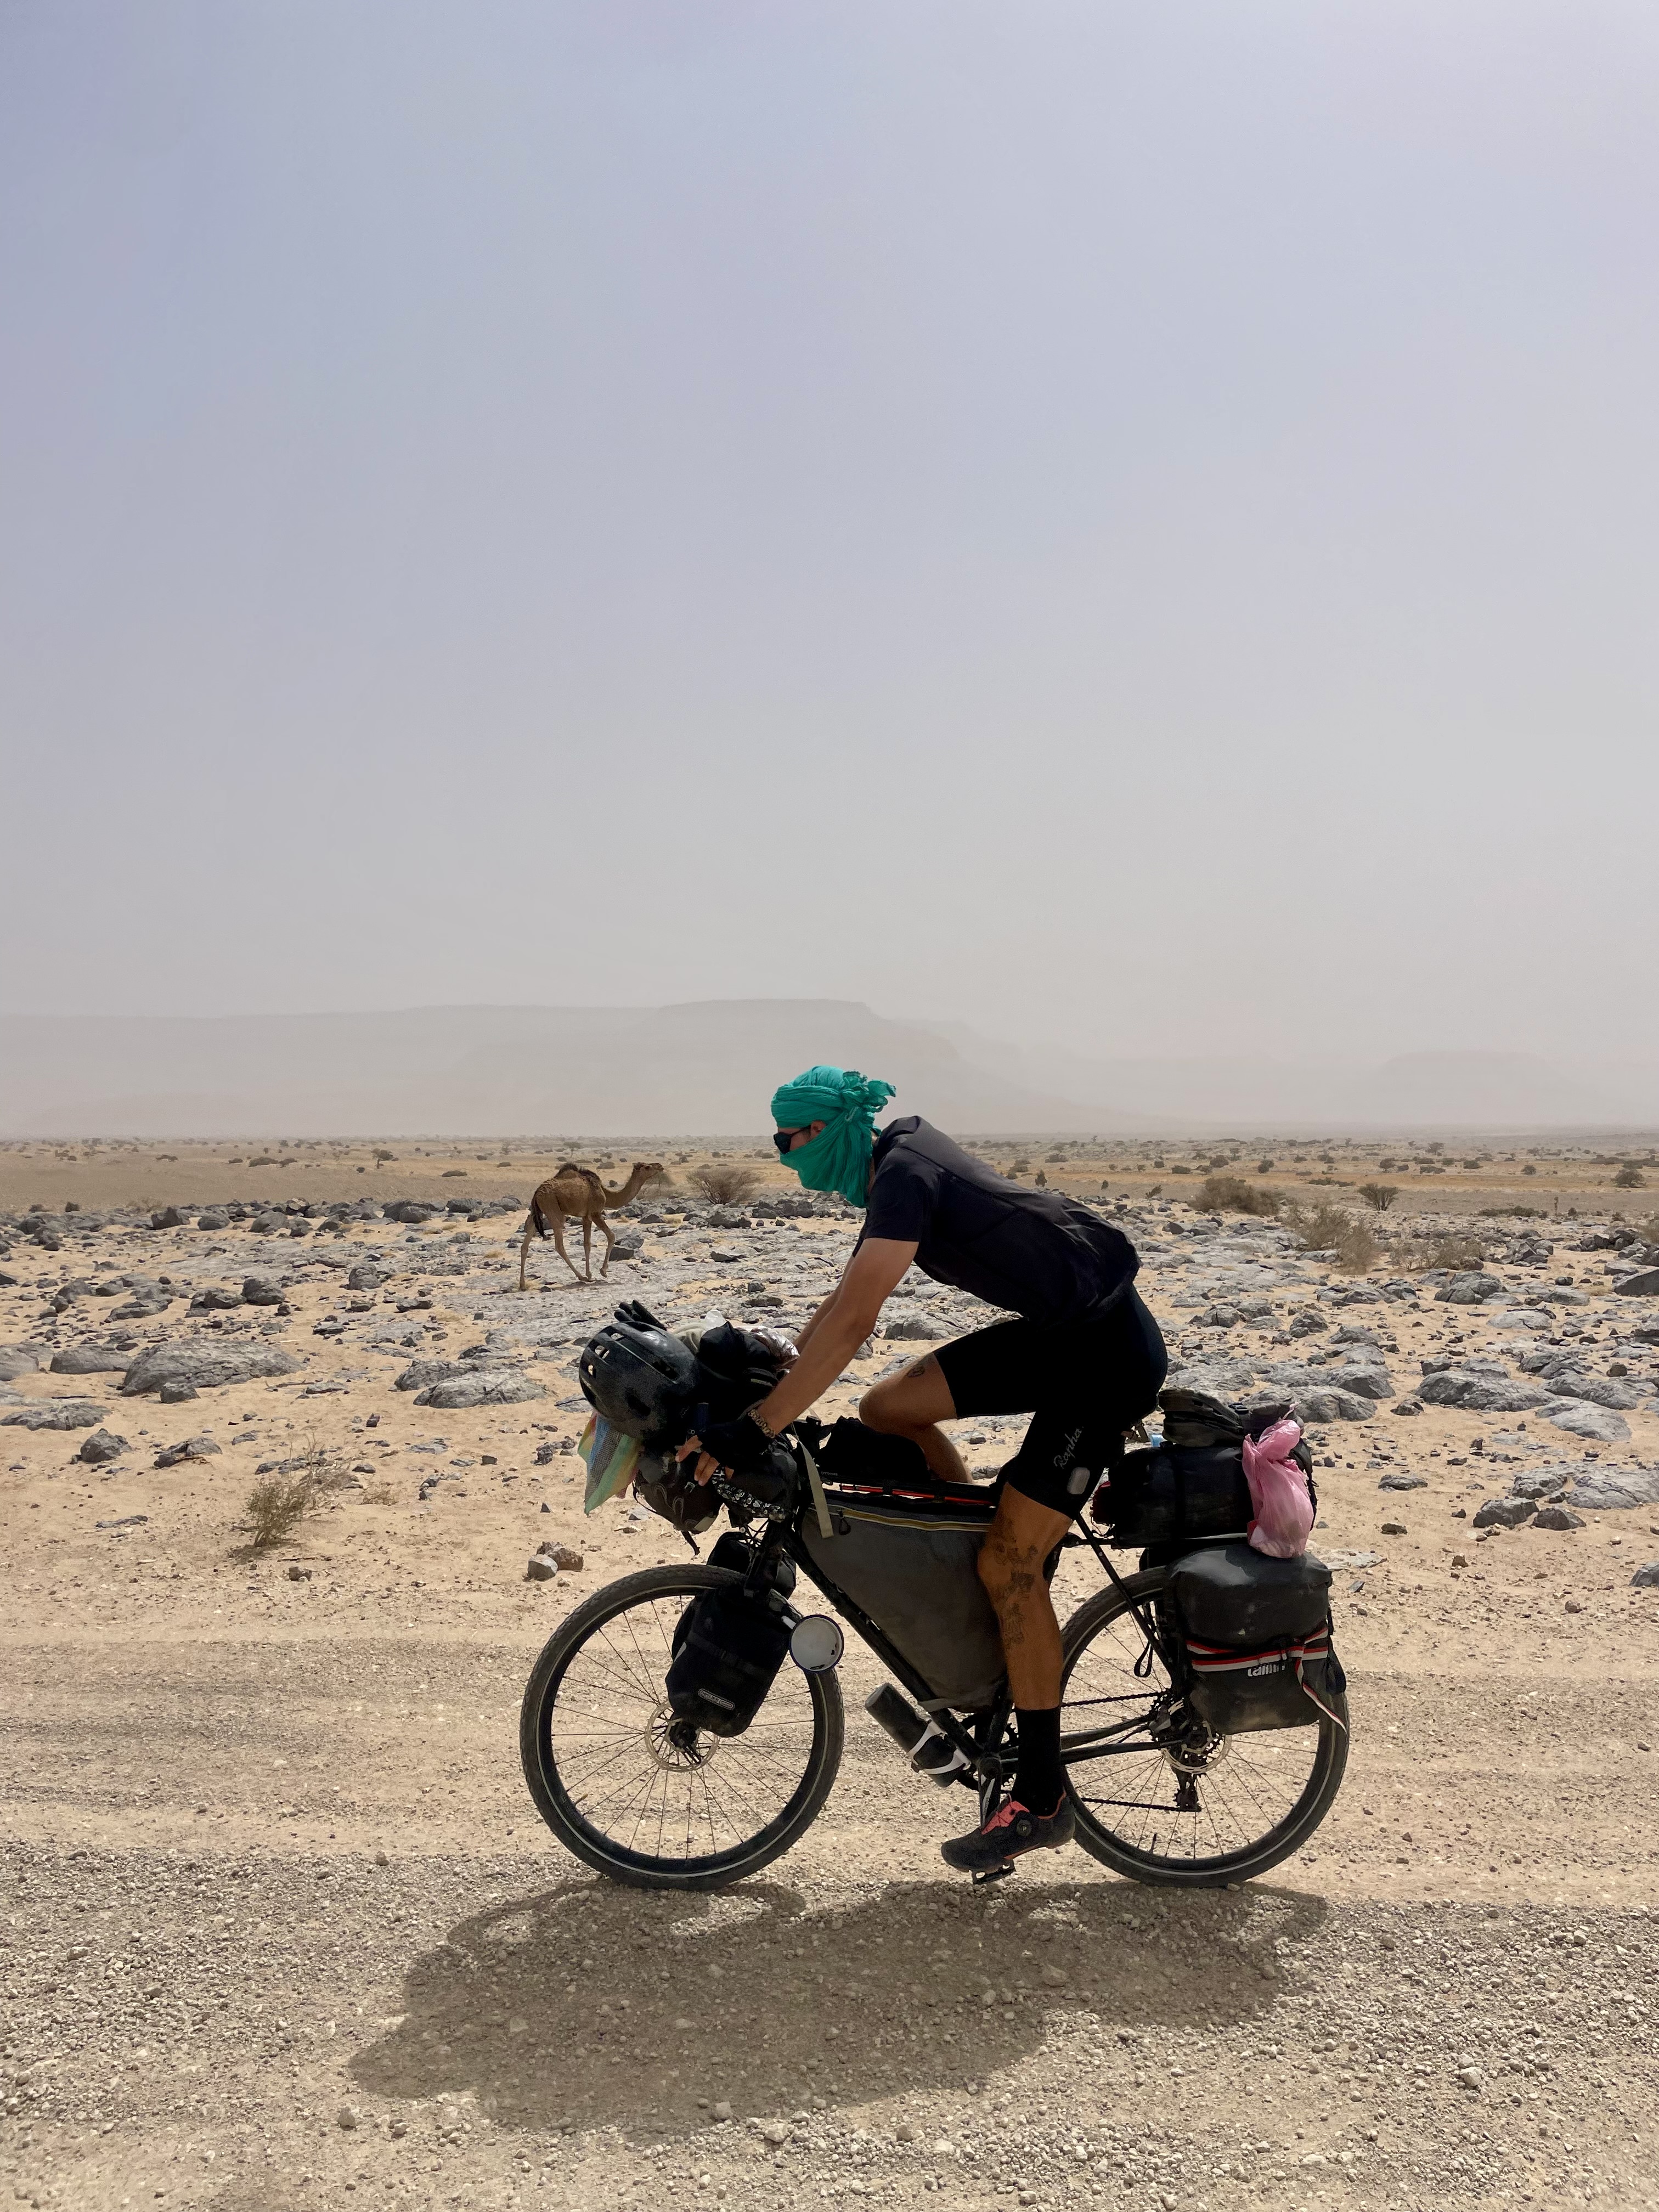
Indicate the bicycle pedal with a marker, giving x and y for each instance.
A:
(993, 1874)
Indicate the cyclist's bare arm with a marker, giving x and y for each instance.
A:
(835, 1333)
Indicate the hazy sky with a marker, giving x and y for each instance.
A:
(1127, 525)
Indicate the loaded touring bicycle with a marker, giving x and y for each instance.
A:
(683, 1728)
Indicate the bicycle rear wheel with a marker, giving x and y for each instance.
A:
(651, 1799)
(1159, 1802)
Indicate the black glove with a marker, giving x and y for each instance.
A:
(742, 1445)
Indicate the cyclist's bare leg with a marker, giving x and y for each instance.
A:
(1019, 1540)
(912, 1403)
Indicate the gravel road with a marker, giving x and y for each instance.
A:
(279, 1928)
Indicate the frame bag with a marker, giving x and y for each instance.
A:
(1257, 1632)
(911, 1564)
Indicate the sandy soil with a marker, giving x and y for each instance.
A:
(280, 1926)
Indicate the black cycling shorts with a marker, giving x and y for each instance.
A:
(1084, 1383)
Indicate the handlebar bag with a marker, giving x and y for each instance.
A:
(726, 1652)
(1257, 1632)
(911, 1564)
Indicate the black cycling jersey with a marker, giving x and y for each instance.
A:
(1031, 1252)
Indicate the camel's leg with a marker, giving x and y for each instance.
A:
(588, 1247)
(523, 1250)
(610, 1235)
(558, 1238)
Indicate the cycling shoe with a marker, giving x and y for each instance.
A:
(1011, 1831)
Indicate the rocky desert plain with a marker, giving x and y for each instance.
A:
(280, 1926)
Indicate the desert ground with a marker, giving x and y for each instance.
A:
(280, 1926)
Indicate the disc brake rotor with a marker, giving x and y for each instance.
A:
(677, 1746)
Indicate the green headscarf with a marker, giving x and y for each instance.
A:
(847, 1102)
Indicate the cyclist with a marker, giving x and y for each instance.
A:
(1084, 1358)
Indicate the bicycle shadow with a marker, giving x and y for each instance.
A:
(585, 2005)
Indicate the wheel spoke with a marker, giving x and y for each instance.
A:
(652, 1791)
(1251, 1797)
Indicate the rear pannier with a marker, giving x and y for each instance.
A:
(1190, 1486)
(1258, 1638)
(1157, 1496)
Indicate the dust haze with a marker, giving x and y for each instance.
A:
(561, 562)
(1131, 534)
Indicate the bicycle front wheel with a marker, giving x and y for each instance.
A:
(1163, 1803)
(644, 1796)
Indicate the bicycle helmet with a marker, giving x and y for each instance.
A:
(643, 1380)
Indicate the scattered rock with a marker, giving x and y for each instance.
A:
(411, 1209)
(1471, 1289)
(545, 1456)
(1323, 1405)
(262, 1290)
(1504, 1513)
(56, 1414)
(421, 1373)
(178, 1393)
(1408, 1406)
(1596, 1489)
(1308, 1323)
(1644, 1286)
(1579, 1420)
(217, 1297)
(215, 1218)
(908, 1325)
(540, 1569)
(17, 1359)
(1558, 1517)
(204, 1366)
(192, 1447)
(494, 1386)
(89, 1359)
(1478, 1391)
(1394, 1529)
(1540, 1482)
(169, 1216)
(1403, 1482)
(102, 1444)
(298, 1574)
(365, 1277)
(1646, 1577)
(563, 1556)
(349, 2116)
(1594, 1391)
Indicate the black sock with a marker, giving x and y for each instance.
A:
(1038, 1783)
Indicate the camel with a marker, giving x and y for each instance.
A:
(573, 1194)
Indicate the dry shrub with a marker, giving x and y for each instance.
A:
(1380, 1196)
(1417, 1255)
(725, 1185)
(278, 1503)
(1328, 1229)
(1458, 1252)
(1231, 1193)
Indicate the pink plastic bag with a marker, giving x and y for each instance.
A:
(1278, 1493)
